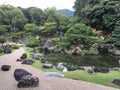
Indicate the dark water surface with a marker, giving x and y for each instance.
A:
(87, 60)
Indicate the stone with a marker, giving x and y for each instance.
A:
(19, 60)
(116, 81)
(77, 51)
(19, 73)
(7, 49)
(115, 52)
(71, 68)
(116, 68)
(54, 74)
(48, 43)
(94, 49)
(28, 62)
(24, 56)
(47, 65)
(61, 67)
(90, 71)
(100, 69)
(43, 59)
(28, 81)
(5, 67)
(81, 67)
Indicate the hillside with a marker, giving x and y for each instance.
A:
(66, 11)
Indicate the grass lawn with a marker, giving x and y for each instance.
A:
(99, 78)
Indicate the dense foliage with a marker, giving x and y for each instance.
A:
(2, 39)
(81, 34)
(33, 43)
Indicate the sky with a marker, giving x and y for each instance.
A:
(43, 4)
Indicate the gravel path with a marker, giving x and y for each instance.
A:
(7, 81)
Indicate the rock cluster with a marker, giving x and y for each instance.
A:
(25, 79)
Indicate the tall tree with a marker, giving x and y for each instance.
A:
(79, 4)
(12, 16)
(37, 16)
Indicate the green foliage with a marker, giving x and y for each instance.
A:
(29, 27)
(33, 43)
(1, 50)
(12, 16)
(79, 4)
(115, 38)
(2, 39)
(17, 36)
(50, 28)
(37, 16)
(14, 47)
(81, 33)
(103, 16)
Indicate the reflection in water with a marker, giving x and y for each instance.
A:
(87, 60)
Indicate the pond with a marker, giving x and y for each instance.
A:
(87, 60)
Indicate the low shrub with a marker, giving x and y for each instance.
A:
(33, 43)
(1, 50)
(14, 47)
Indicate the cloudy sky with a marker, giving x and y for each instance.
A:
(59, 4)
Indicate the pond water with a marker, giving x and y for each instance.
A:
(87, 60)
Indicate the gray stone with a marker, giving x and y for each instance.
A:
(90, 71)
(47, 65)
(100, 69)
(116, 81)
(61, 67)
(24, 56)
(81, 67)
(19, 73)
(5, 67)
(28, 62)
(7, 49)
(28, 81)
(19, 60)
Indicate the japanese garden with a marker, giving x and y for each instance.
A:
(61, 49)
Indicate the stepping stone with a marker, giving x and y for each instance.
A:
(5, 67)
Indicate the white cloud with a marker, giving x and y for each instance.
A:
(59, 4)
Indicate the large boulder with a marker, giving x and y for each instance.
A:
(19, 73)
(100, 69)
(5, 67)
(24, 56)
(7, 49)
(116, 81)
(28, 62)
(28, 81)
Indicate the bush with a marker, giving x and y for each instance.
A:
(33, 43)
(1, 50)
(14, 47)
(117, 44)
